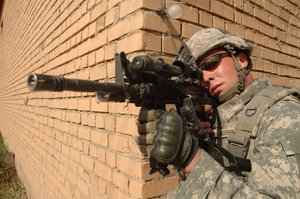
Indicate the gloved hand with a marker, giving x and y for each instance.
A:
(167, 138)
(146, 124)
(173, 144)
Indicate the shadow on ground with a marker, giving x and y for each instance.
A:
(10, 185)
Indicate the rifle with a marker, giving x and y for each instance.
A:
(149, 83)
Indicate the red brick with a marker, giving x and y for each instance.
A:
(57, 145)
(99, 137)
(84, 118)
(65, 150)
(84, 133)
(118, 107)
(100, 9)
(112, 3)
(218, 22)
(111, 69)
(239, 4)
(171, 45)
(99, 24)
(100, 121)
(217, 7)
(120, 180)
(109, 16)
(75, 155)
(133, 110)
(111, 158)
(85, 146)
(87, 162)
(139, 41)
(94, 194)
(92, 29)
(101, 154)
(126, 125)
(228, 12)
(134, 149)
(266, 29)
(109, 123)
(250, 35)
(111, 190)
(100, 57)
(153, 188)
(84, 104)
(248, 7)
(238, 17)
(99, 40)
(110, 51)
(136, 188)
(103, 171)
(119, 29)
(147, 21)
(118, 143)
(204, 4)
(83, 186)
(91, 120)
(93, 151)
(130, 43)
(134, 167)
(241, 31)
(130, 6)
(205, 19)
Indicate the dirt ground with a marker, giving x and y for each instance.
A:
(10, 185)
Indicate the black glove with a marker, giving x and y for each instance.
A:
(173, 144)
(147, 120)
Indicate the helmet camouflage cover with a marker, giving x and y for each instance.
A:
(208, 39)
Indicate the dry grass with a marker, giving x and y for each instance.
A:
(10, 185)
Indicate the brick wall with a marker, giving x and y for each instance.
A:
(68, 145)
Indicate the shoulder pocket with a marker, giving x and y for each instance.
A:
(291, 146)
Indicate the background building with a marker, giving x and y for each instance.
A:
(68, 145)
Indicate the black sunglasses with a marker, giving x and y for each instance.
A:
(212, 61)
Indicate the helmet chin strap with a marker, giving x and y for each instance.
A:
(240, 82)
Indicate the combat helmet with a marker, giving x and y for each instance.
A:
(207, 40)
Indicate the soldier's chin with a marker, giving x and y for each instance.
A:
(216, 94)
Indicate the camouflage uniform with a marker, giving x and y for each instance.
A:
(274, 154)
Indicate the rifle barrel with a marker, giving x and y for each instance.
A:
(39, 82)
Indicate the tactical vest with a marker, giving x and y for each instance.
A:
(249, 118)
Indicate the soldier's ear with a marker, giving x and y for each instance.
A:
(242, 58)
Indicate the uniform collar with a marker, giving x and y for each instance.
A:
(233, 106)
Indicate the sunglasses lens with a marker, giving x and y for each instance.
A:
(212, 62)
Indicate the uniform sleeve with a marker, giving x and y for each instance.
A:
(275, 158)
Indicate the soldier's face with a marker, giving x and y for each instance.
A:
(219, 72)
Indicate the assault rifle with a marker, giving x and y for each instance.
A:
(150, 83)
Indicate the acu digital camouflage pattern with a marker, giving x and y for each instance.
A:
(274, 154)
(209, 39)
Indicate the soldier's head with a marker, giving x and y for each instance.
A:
(223, 59)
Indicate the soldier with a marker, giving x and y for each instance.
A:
(254, 151)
